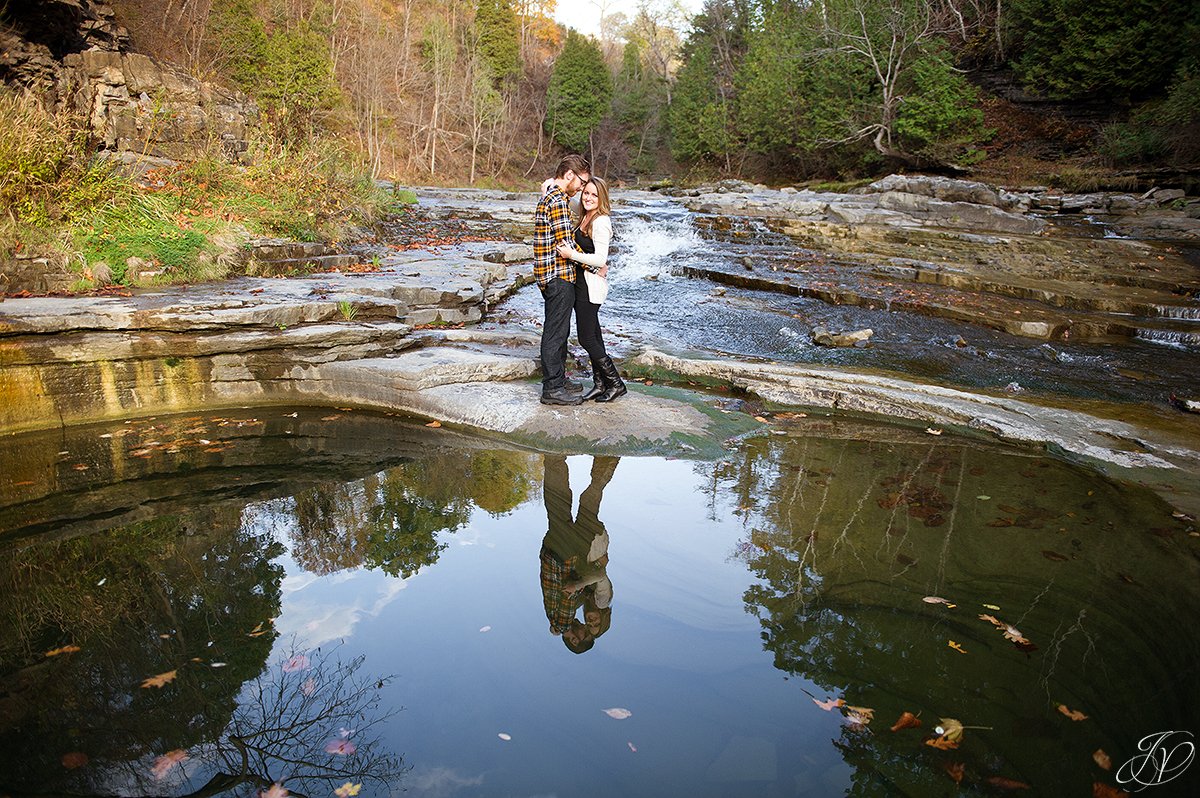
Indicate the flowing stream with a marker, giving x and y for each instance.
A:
(654, 304)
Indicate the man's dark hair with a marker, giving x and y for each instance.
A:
(573, 163)
(583, 645)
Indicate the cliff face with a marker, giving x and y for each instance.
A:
(74, 53)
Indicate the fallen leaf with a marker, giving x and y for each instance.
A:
(1102, 759)
(347, 790)
(1100, 790)
(954, 770)
(761, 420)
(933, 431)
(937, 600)
(64, 650)
(648, 382)
(434, 424)
(1006, 783)
(276, 790)
(164, 764)
(991, 607)
(830, 704)
(950, 728)
(632, 747)
(297, 662)
(1073, 714)
(74, 760)
(859, 716)
(907, 721)
(504, 737)
(161, 680)
(942, 743)
(340, 746)
(617, 713)
(956, 647)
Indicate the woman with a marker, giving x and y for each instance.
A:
(593, 236)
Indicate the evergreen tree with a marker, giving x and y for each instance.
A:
(1122, 49)
(499, 37)
(579, 93)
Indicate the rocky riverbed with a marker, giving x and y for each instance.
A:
(403, 338)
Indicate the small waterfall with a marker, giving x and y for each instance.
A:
(1173, 338)
(647, 247)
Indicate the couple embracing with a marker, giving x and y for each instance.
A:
(570, 253)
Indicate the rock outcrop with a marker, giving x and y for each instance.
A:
(74, 52)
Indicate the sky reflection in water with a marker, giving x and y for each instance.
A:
(742, 592)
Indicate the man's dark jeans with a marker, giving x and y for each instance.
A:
(559, 296)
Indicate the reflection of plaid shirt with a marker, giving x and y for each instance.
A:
(560, 604)
(551, 227)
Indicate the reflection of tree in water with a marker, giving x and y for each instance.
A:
(847, 536)
(391, 520)
(170, 594)
(308, 724)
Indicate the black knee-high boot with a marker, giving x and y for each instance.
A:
(600, 384)
(612, 380)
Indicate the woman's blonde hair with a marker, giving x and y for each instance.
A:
(603, 206)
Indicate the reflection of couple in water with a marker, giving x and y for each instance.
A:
(575, 555)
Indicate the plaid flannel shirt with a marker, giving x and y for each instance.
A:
(551, 227)
(560, 604)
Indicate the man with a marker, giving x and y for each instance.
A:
(555, 275)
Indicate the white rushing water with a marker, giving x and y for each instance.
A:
(651, 247)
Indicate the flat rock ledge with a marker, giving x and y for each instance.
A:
(1115, 447)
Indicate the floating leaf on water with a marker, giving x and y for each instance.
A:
(504, 736)
(276, 790)
(1182, 516)
(937, 600)
(297, 662)
(956, 647)
(617, 713)
(984, 498)
(830, 704)
(942, 743)
(164, 764)
(54, 652)
(258, 631)
(1073, 714)
(859, 716)
(217, 664)
(1006, 783)
(933, 431)
(1053, 556)
(434, 424)
(340, 746)
(74, 760)
(485, 628)
(334, 417)
(632, 747)
(991, 607)
(101, 582)
(954, 770)
(161, 680)
(1000, 522)
(950, 728)
(1100, 790)
(1102, 759)
(347, 790)
(907, 721)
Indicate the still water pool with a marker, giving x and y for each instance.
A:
(211, 604)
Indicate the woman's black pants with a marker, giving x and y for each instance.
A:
(587, 320)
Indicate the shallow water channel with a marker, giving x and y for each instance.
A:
(323, 597)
